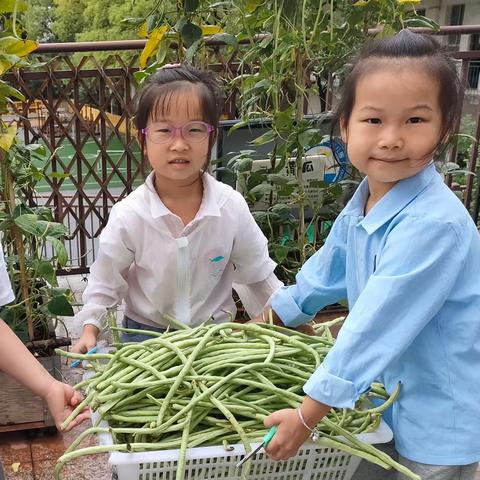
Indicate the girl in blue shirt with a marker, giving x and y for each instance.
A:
(406, 255)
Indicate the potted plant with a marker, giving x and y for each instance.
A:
(31, 242)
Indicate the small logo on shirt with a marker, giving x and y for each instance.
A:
(217, 259)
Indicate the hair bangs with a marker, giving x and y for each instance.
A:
(175, 97)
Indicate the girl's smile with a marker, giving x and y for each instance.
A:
(389, 160)
(394, 125)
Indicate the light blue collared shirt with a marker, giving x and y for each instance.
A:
(411, 272)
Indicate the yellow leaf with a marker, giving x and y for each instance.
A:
(24, 47)
(211, 29)
(5, 63)
(7, 137)
(403, 2)
(16, 46)
(252, 5)
(16, 467)
(152, 44)
(8, 6)
(142, 31)
(159, 32)
(360, 3)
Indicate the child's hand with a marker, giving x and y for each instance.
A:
(306, 329)
(61, 400)
(264, 318)
(290, 436)
(87, 341)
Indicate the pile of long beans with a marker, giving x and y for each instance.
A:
(214, 385)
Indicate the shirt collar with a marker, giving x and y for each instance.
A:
(210, 201)
(208, 207)
(392, 202)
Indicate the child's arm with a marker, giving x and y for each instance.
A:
(19, 363)
(107, 282)
(294, 427)
(255, 296)
(320, 282)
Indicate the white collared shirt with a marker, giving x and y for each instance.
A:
(6, 292)
(149, 259)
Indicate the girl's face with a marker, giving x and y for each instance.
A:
(395, 124)
(178, 159)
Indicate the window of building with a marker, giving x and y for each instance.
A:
(455, 17)
(473, 74)
(475, 41)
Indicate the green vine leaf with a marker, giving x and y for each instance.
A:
(29, 223)
(191, 5)
(190, 33)
(60, 250)
(59, 305)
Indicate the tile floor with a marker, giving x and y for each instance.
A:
(37, 452)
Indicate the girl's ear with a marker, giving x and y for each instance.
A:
(343, 130)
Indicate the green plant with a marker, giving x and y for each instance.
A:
(273, 196)
(30, 237)
(186, 25)
(465, 139)
(457, 169)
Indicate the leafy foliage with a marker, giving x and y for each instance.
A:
(39, 20)
(30, 236)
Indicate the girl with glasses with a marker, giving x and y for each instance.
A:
(177, 244)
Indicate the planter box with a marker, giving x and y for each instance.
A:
(20, 408)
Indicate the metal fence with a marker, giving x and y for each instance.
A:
(81, 110)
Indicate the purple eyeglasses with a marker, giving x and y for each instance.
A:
(162, 132)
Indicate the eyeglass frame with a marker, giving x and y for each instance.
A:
(174, 131)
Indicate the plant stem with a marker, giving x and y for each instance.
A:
(18, 241)
(299, 85)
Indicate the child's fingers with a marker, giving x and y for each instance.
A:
(307, 329)
(288, 438)
(79, 347)
(84, 415)
(274, 418)
(75, 398)
(276, 447)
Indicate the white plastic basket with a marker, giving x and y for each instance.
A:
(312, 462)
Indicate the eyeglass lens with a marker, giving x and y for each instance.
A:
(191, 131)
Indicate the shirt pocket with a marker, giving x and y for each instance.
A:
(215, 262)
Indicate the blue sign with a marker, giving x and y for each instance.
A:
(336, 166)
